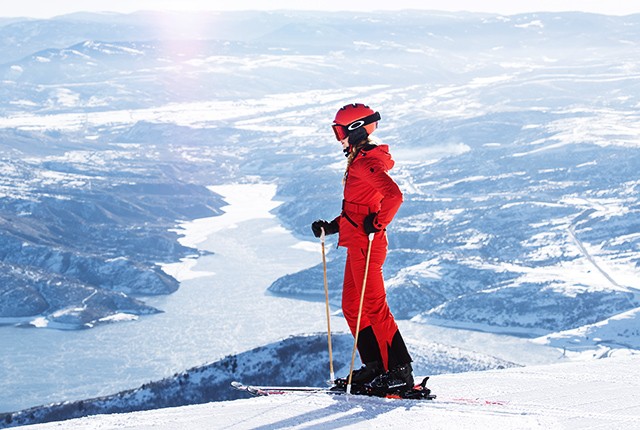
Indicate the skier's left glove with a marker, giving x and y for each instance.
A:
(329, 227)
(371, 224)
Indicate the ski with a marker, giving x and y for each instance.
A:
(258, 390)
(419, 392)
(262, 390)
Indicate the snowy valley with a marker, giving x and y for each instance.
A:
(516, 146)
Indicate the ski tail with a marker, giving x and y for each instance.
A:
(419, 391)
(268, 390)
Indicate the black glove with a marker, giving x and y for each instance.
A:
(369, 223)
(329, 227)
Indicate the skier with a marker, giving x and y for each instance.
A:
(371, 199)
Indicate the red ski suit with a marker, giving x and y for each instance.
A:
(368, 188)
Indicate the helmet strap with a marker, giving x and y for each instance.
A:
(356, 137)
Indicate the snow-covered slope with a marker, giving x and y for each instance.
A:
(297, 360)
(621, 331)
(601, 394)
(84, 226)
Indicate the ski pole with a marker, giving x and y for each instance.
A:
(332, 376)
(364, 285)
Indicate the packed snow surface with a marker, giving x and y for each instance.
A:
(600, 394)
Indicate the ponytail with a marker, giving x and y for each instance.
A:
(355, 149)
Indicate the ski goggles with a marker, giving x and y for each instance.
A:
(342, 131)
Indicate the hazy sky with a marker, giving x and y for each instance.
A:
(49, 8)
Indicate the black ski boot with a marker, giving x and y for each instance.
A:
(360, 377)
(396, 381)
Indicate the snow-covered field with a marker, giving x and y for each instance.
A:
(602, 394)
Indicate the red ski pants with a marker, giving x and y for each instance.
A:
(375, 310)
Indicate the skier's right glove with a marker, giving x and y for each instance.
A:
(370, 224)
(329, 227)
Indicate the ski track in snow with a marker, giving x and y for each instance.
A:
(589, 257)
(579, 395)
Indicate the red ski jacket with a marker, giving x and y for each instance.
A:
(368, 188)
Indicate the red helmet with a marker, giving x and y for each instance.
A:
(352, 117)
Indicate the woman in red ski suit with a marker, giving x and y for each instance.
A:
(371, 199)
